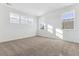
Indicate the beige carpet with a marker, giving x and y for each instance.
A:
(38, 46)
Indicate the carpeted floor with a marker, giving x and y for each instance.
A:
(39, 46)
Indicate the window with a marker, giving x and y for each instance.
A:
(23, 20)
(68, 20)
(30, 20)
(69, 15)
(17, 19)
(68, 25)
(14, 18)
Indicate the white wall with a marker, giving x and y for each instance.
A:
(54, 18)
(14, 31)
(73, 35)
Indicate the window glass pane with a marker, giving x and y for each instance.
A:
(23, 20)
(68, 20)
(14, 18)
(69, 15)
(30, 20)
(14, 15)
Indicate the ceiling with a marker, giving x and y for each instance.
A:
(38, 9)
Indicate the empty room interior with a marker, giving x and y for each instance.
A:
(39, 29)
